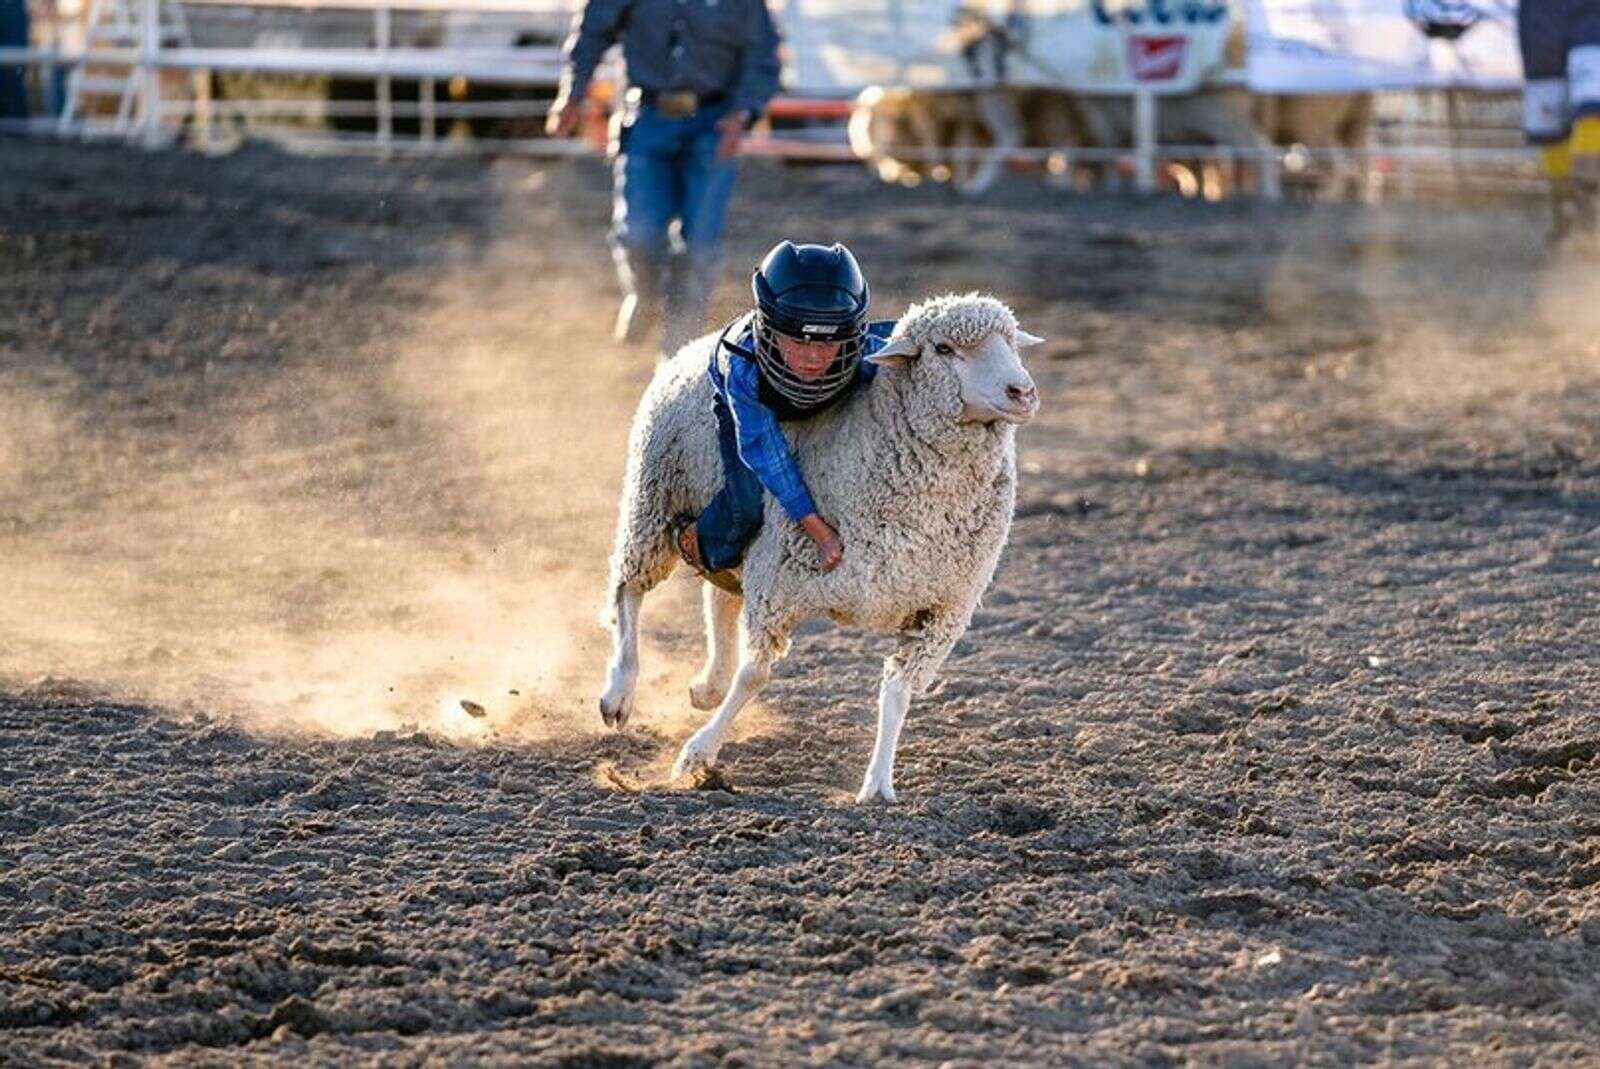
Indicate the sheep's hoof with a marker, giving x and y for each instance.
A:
(875, 792)
(706, 696)
(694, 757)
(615, 711)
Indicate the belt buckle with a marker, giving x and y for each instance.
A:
(677, 104)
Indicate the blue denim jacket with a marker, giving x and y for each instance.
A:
(762, 445)
(708, 46)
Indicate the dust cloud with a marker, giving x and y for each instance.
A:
(1482, 371)
(341, 546)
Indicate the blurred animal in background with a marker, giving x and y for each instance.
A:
(959, 136)
(962, 136)
(1326, 135)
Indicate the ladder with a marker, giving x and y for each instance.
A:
(116, 27)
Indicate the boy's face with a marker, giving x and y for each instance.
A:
(807, 359)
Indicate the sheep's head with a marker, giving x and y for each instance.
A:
(972, 342)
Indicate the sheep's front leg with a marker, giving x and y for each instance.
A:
(764, 639)
(722, 635)
(894, 701)
(702, 748)
(622, 673)
(909, 672)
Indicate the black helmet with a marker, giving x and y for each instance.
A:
(814, 293)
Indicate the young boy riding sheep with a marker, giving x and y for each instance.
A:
(904, 434)
(797, 355)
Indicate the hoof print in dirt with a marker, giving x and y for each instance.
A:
(1014, 816)
(298, 1015)
(708, 779)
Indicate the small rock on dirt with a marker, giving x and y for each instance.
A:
(299, 1015)
(232, 852)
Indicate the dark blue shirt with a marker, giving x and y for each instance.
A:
(708, 46)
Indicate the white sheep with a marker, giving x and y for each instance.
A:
(907, 135)
(916, 471)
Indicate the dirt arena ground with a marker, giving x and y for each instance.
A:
(1274, 743)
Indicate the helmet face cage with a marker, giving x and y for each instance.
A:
(791, 387)
(809, 293)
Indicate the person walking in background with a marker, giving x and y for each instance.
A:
(1560, 42)
(701, 72)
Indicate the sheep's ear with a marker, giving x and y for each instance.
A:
(1024, 339)
(898, 353)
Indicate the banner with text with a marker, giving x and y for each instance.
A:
(1341, 46)
(1091, 46)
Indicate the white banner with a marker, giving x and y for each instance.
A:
(1342, 46)
(1092, 46)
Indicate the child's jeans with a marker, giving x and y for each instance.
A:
(729, 524)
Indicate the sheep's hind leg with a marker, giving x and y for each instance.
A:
(909, 672)
(644, 557)
(722, 635)
(622, 673)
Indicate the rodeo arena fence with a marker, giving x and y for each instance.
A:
(1440, 78)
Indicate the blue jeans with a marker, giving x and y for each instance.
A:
(730, 523)
(13, 81)
(1549, 32)
(670, 202)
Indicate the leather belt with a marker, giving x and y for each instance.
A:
(675, 103)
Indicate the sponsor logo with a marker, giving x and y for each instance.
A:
(1159, 12)
(822, 328)
(1156, 59)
